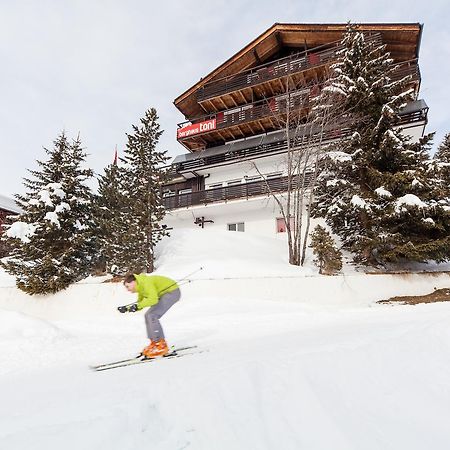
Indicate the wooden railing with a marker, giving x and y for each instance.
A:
(221, 194)
(276, 106)
(292, 64)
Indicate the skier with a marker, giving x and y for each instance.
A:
(159, 293)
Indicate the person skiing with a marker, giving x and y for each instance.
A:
(160, 294)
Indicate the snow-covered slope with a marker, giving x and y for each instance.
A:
(293, 360)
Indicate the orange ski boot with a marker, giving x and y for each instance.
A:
(148, 349)
(156, 349)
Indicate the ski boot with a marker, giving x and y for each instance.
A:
(156, 349)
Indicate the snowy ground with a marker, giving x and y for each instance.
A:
(288, 365)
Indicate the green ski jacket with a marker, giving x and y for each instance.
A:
(150, 288)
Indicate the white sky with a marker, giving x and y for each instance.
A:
(94, 67)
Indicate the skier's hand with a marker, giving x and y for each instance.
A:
(122, 309)
(133, 307)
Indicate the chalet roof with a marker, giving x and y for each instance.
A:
(8, 204)
(402, 40)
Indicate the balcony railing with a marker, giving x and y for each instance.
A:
(221, 194)
(305, 134)
(263, 148)
(270, 108)
(286, 66)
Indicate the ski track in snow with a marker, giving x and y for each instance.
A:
(364, 378)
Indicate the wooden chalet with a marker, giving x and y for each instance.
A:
(230, 112)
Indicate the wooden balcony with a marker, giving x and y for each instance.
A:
(402, 41)
(262, 116)
(238, 89)
(413, 114)
(223, 194)
(231, 155)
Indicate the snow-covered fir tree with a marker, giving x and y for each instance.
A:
(441, 167)
(374, 188)
(328, 256)
(141, 179)
(53, 241)
(110, 206)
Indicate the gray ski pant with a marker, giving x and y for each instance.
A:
(152, 316)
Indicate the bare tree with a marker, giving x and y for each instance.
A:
(308, 120)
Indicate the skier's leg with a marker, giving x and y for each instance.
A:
(152, 316)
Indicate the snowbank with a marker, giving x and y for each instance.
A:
(229, 266)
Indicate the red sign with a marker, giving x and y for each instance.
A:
(196, 128)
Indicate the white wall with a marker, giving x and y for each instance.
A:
(244, 169)
(415, 133)
(259, 216)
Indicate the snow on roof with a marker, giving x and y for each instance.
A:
(9, 204)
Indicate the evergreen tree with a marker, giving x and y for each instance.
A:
(53, 241)
(328, 257)
(374, 189)
(110, 208)
(141, 180)
(441, 169)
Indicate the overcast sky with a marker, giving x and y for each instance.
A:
(93, 67)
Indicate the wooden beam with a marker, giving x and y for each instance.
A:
(257, 59)
(240, 131)
(223, 103)
(281, 84)
(214, 103)
(242, 96)
(230, 132)
(269, 88)
(230, 96)
(269, 118)
(279, 39)
(202, 105)
(220, 134)
(212, 108)
(258, 122)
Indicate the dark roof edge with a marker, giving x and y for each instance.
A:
(419, 40)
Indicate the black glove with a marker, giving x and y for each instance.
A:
(123, 309)
(133, 307)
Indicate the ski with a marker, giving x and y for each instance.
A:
(144, 361)
(138, 359)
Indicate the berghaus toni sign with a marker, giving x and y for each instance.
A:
(196, 128)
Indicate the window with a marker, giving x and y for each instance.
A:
(236, 226)
(281, 224)
(185, 191)
(168, 194)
